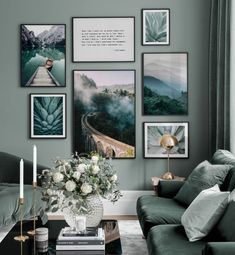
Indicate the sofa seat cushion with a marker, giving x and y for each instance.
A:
(9, 201)
(227, 158)
(172, 240)
(153, 210)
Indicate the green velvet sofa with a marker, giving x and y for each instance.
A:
(160, 219)
(9, 190)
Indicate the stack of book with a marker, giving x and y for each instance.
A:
(90, 242)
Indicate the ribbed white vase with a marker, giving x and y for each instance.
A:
(93, 216)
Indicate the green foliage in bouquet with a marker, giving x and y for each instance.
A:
(72, 180)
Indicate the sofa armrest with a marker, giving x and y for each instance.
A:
(9, 169)
(169, 188)
(219, 248)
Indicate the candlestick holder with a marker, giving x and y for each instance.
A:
(33, 232)
(21, 237)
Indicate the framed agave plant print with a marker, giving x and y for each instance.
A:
(155, 26)
(153, 133)
(48, 115)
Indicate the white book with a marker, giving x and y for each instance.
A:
(100, 236)
(80, 247)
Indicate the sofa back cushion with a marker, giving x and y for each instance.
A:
(204, 176)
(226, 157)
(225, 230)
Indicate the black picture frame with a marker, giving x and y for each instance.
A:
(153, 131)
(164, 83)
(100, 47)
(42, 59)
(155, 27)
(48, 117)
(83, 141)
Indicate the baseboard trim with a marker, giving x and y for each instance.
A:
(124, 207)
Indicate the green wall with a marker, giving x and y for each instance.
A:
(189, 32)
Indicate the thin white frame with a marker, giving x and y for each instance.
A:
(163, 153)
(32, 135)
(167, 11)
(85, 49)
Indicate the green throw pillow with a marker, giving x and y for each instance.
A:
(204, 176)
(204, 212)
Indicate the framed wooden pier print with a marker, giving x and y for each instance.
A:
(153, 133)
(48, 115)
(43, 51)
(104, 39)
(104, 112)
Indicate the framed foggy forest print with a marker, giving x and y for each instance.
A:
(43, 51)
(104, 112)
(165, 83)
(155, 26)
(153, 132)
(48, 115)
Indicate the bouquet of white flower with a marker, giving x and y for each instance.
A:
(72, 180)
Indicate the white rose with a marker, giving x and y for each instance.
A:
(113, 178)
(81, 168)
(86, 188)
(58, 177)
(70, 185)
(95, 169)
(76, 175)
(94, 159)
(49, 192)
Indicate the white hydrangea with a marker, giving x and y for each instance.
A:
(70, 185)
(113, 178)
(94, 159)
(58, 177)
(81, 168)
(95, 169)
(76, 175)
(86, 188)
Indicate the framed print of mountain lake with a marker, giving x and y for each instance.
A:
(43, 55)
(155, 26)
(104, 112)
(165, 83)
(48, 115)
(153, 133)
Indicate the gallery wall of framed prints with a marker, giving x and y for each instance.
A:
(104, 100)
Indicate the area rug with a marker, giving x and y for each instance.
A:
(131, 238)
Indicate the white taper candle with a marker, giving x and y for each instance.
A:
(34, 163)
(21, 178)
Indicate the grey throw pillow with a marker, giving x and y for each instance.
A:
(204, 212)
(204, 176)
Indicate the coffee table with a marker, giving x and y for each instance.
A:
(10, 246)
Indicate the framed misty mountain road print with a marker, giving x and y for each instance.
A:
(48, 116)
(165, 83)
(104, 112)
